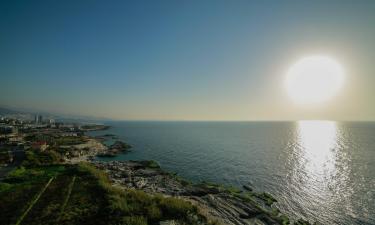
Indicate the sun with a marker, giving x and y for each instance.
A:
(314, 79)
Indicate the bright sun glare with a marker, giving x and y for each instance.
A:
(314, 79)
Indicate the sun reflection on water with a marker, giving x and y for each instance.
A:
(321, 171)
(317, 140)
(315, 163)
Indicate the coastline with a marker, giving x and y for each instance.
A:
(131, 192)
(223, 205)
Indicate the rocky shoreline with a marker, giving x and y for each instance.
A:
(220, 205)
(115, 149)
(223, 205)
(210, 203)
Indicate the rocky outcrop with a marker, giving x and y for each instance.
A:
(83, 152)
(115, 149)
(225, 205)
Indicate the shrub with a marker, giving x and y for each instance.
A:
(18, 172)
(154, 213)
(176, 208)
(152, 164)
(5, 187)
(37, 158)
(134, 220)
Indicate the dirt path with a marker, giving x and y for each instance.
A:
(34, 201)
(67, 198)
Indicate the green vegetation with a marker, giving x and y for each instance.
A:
(39, 137)
(19, 189)
(82, 194)
(70, 140)
(151, 164)
(269, 199)
(94, 127)
(67, 197)
(37, 158)
(56, 140)
(133, 205)
(32, 203)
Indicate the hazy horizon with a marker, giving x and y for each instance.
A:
(104, 119)
(183, 61)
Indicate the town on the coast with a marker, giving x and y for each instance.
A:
(51, 172)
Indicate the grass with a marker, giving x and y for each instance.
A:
(139, 205)
(34, 201)
(95, 126)
(16, 191)
(67, 197)
(37, 158)
(70, 140)
(82, 194)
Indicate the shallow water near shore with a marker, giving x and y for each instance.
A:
(320, 170)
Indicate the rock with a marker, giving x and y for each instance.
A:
(106, 154)
(247, 188)
(114, 149)
(216, 201)
(121, 146)
(169, 222)
(198, 191)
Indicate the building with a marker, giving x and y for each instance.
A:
(40, 145)
(69, 134)
(5, 129)
(38, 119)
(16, 139)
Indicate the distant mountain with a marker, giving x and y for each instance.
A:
(5, 111)
(26, 114)
(14, 113)
(9, 111)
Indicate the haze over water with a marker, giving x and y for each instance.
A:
(320, 170)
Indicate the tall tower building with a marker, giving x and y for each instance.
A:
(38, 119)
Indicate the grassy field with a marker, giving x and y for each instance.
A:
(81, 194)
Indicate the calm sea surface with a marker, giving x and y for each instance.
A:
(319, 170)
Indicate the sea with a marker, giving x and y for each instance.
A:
(321, 171)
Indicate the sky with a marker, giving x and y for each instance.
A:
(182, 60)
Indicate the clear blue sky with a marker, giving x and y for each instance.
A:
(205, 60)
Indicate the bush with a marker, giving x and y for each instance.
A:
(151, 164)
(175, 208)
(18, 172)
(134, 220)
(154, 213)
(37, 158)
(5, 187)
